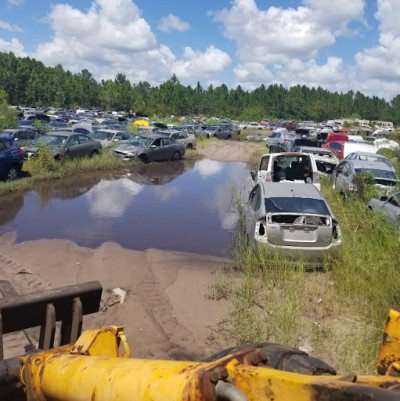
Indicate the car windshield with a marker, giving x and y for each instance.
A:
(104, 136)
(296, 205)
(50, 140)
(141, 141)
(378, 173)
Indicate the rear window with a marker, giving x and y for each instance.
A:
(296, 205)
(378, 173)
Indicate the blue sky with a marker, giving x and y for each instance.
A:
(340, 45)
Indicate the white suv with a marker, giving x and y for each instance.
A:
(291, 166)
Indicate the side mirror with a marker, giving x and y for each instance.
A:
(253, 174)
(153, 146)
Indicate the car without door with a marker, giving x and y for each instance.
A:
(65, 145)
(389, 206)
(292, 219)
(290, 166)
(326, 161)
(150, 148)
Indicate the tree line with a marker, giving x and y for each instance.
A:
(29, 82)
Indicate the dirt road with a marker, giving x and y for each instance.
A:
(167, 312)
(230, 151)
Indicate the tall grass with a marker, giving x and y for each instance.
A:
(45, 168)
(338, 314)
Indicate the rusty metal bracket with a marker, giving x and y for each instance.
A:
(67, 304)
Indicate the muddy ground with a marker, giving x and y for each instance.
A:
(167, 312)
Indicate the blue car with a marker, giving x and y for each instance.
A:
(11, 158)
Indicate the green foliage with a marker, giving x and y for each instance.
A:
(45, 161)
(133, 129)
(29, 81)
(365, 184)
(8, 116)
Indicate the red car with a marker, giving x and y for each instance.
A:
(336, 147)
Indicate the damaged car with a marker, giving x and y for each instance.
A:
(389, 206)
(324, 158)
(285, 167)
(293, 219)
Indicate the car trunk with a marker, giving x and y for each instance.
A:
(299, 229)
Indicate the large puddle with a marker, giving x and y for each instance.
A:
(183, 206)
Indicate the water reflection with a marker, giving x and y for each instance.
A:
(179, 206)
(209, 168)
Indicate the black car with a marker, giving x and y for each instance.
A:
(11, 158)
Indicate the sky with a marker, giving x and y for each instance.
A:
(339, 44)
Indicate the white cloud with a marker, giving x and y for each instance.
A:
(383, 61)
(113, 37)
(173, 23)
(197, 64)
(11, 28)
(112, 198)
(15, 2)
(249, 75)
(208, 168)
(13, 46)
(276, 35)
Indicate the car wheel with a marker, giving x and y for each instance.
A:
(189, 147)
(176, 155)
(208, 136)
(144, 159)
(12, 173)
(94, 153)
(344, 195)
(229, 137)
(281, 358)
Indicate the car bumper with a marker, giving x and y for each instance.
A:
(311, 256)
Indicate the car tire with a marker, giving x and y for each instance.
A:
(229, 137)
(283, 358)
(144, 159)
(12, 173)
(189, 147)
(176, 155)
(208, 136)
(94, 153)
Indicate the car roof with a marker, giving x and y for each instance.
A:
(307, 149)
(291, 189)
(369, 164)
(63, 133)
(368, 154)
(110, 131)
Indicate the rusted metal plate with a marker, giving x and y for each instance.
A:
(24, 311)
(390, 348)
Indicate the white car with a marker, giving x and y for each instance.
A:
(252, 125)
(294, 167)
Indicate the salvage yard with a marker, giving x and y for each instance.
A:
(183, 297)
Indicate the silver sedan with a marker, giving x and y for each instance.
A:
(389, 206)
(149, 149)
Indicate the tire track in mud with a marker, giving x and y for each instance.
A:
(159, 309)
